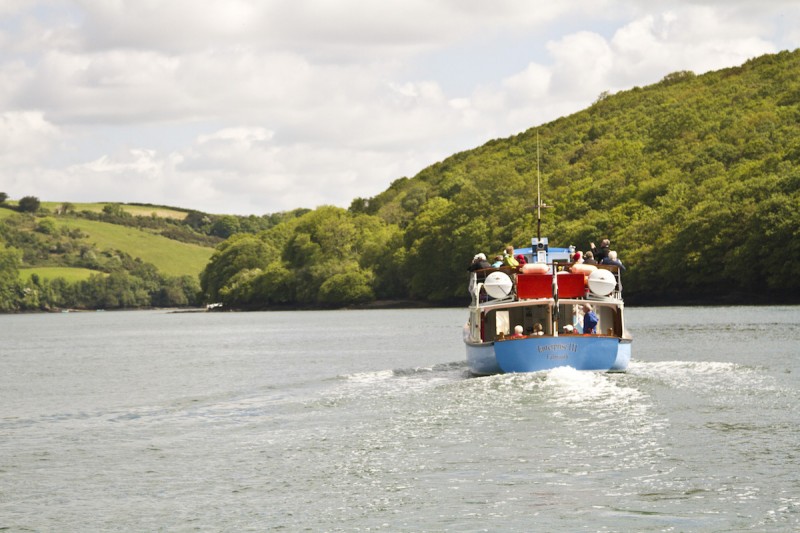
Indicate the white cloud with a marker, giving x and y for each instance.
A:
(24, 136)
(257, 106)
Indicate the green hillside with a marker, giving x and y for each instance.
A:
(56, 257)
(132, 209)
(109, 255)
(168, 256)
(694, 179)
(97, 207)
(69, 274)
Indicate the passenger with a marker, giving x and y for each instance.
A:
(501, 336)
(588, 258)
(479, 262)
(520, 259)
(602, 252)
(517, 333)
(508, 257)
(590, 320)
(498, 261)
(538, 329)
(569, 330)
(577, 258)
(612, 260)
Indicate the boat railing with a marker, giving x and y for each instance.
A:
(479, 294)
(477, 277)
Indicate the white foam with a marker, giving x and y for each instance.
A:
(370, 377)
(568, 386)
(703, 375)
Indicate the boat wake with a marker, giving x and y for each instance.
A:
(435, 371)
(567, 387)
(707, 376)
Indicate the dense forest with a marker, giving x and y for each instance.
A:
(695, 179)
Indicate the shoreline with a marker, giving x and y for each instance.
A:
(720, 301)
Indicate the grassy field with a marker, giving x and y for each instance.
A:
(68, 273)
(136, 210)
(170, 257)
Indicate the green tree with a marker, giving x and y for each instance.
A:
(240, 252)
(9, 278)
(47, 226)
(114, 210)
(29, 204)
(225, 226)
(350, 287)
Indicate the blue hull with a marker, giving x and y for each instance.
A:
(481, 360)
(532, 354)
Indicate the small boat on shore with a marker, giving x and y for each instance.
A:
(546, 301)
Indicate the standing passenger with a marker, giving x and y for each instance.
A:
(590, 320)
(602, 252)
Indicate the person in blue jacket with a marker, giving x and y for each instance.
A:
(590, 320)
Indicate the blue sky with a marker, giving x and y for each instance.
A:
(258, 106)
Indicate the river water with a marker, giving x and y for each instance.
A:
(368, 421)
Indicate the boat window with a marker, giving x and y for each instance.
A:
(607, 316)
(502, 322)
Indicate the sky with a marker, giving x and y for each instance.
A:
(260, 106)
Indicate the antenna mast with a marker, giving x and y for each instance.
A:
(538, 193)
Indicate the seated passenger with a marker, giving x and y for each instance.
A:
(498, 261)
(517, 333)
(521, 259)
(538, 329)
(508, 257)
(588, 258)
(569, 330)
(479, 262)
(612, 260)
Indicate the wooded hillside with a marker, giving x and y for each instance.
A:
(694, 179)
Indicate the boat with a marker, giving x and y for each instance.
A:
(548, 298)
(531, 318)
